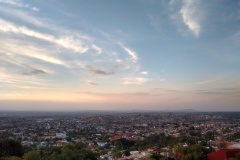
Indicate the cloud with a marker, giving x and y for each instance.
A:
(71, 42)
(133, 54)
(16, 3)
(93, 83)
(25, 17)
(138, 81)
(47, 59)
(98, 49)
(35, 9)
(24, 49)
(68, 42)
(34, 72)
(124, 94)
(207, 81)
(101, 72)
(12, 80)
(95, 71)
(144, 73)
(189, 16)
(36, 45)
(219, 91)
(213, 91)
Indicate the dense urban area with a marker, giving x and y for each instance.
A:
(119, 136)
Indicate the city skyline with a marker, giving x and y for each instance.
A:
(120, 55)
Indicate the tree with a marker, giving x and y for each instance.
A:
(14, 158)
(194, 152)
(32, 155)
(155, 157)
(10, 148)
(238, 156)
(127, 153)
(124, 143)
(117, 154)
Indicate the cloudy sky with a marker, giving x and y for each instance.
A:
(120, 55)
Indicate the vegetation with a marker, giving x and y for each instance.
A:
(237, 157)
(12, 150)
(194, 152)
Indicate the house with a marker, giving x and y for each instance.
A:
(223, 154)
(61, 135)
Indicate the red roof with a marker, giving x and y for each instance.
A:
(227, 143)
(223, 154)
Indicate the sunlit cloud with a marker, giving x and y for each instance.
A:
(144, 73)
(52, 50)
(138, 81)
(190, 14)
(98, 49)
(11, 79)
(68, 42)
(39, 47)
(131, 53)
(35, 9)
(16, 3)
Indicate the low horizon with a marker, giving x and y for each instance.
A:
(123, 111)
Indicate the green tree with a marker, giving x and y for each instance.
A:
(10, 148)
(127, 153)
(194, 152)
(32, 155)
(117, 154)
(238, 156)
(14, 158)
(155, 157)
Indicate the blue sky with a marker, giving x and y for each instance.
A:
(120, 55)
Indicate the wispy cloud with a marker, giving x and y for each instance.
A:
(11, 46)
(207, 81)
(210, 91)
(190, 14)
(144, 73)
(131, 53)
(92, 83)
(34, 72)
(35, 9)
(10, 79)
(16, 3)
(138, 81)
(68, 42)
(19, 4)
(97, 48)
(219, 91)
(101, 72)
(33, 46)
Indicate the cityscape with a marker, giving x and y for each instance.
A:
(124, 135)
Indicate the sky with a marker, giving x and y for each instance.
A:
(120, 55)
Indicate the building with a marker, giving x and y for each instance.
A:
(223, 154)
